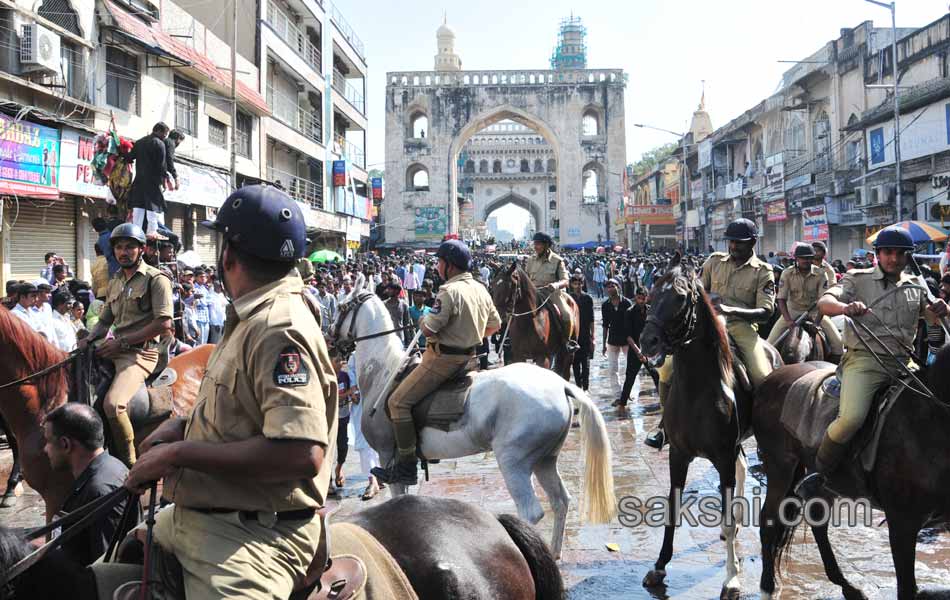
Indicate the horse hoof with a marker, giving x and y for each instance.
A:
(654, 578)
(729, 593)
(852, 593)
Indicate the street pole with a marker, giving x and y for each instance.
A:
(892, 6)
(234, 95)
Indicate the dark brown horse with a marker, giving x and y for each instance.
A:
(446, 548)
(699, 415)
(24, 406)
(910, 479)
(531, 330)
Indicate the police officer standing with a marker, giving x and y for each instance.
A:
(861, 373)
(462, 315)
(548, 273)
(139, 306)
(745, 287)
(248, 469)
(799, 288)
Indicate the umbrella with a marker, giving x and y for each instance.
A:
(919, 231)
(323, 256)
(190, 259)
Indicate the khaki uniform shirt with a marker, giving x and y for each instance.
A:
(127, 308)
(750, 285)
(900, 310)
(270, 375)
(546, 269)
(462, 311)
(801, 291)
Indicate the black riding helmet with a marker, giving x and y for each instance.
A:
(804, 251)
(894, 237)
(129, 231)
(741, 230)
(542, 237)
(456, 253)
(264, 222)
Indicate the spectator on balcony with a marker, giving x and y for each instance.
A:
(171, 143)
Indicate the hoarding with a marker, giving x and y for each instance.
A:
(29, 155)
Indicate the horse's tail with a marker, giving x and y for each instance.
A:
(599, 498)
(548, 584)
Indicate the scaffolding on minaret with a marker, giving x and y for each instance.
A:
(571, 49)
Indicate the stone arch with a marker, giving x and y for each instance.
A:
(593, 182)
(536, 210)
(417, 126)
(417, 178)
(592, 121)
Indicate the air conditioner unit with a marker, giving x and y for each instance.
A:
(39, 49)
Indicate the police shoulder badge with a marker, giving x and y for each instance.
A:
(769, 288)
(290, 370)
(436, 307)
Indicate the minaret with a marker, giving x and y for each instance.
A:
(701, 127)
(446, 59)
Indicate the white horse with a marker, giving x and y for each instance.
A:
(521, 412)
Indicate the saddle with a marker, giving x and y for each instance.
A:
(357, 567)
(812, 404)
(443, 408)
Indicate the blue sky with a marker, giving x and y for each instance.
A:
(666, 47)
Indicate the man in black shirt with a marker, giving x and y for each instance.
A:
(613, 312)
(145, 197)
(636, 319)
(585, 337)
(74, 439)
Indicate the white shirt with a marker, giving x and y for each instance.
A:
(25, 315)
(420, 270)
(43, 322)
(64, 333)
(410, 281)
(485, 273)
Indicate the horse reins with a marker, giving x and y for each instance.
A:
(69, 358)
(681, 335)
(360, 300)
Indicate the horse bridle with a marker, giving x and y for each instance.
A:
(348, 345)
(684, 322)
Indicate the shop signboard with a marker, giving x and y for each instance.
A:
(199, 185)
(774, 175)
(377, 183)
(29, 155)
(339, 172)
(431, 223)
(75, 165)
(652, 214)
(775, 211)
(814, 223)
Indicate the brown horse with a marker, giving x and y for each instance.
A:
(24, 406)
(910, 479)
(806, 343)
(530, 327)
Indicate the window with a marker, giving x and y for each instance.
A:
(417, 178)
(122, 80)
(552, 165)
(589, 123)
(186, 106)
(72, 70)
(524, 166)
(470, 166)
(496, 166)
(245, 127)
(538, 166)
(592, 183)
(822, 143)
(483, 166)
(419, 125)
(217, 133)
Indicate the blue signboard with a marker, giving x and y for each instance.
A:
(877, 145)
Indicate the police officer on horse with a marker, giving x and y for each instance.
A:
(139, 307)
(745, 291)
(248, 469)
(463, 314)
(549, 275)
(893, 320)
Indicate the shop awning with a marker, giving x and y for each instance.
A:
(157, 42)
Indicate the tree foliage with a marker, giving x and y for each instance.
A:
(651, 158)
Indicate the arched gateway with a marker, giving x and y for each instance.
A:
(576, 114)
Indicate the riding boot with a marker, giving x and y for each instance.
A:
(123, 438)
(570, 344)
(830, 454)
(405, 469)
(657, 439)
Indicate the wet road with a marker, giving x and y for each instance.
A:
(593, 572)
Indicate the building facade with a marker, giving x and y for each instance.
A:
(73, 69)
(431, 116)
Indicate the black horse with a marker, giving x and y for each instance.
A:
(700, 416)
(446, 548)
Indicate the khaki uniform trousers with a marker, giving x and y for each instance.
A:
(835, 345)
(435, 369)
(861, 377)
(559, 300)
(752, 349)
(225, 556)
(132, 368)
(665, 371)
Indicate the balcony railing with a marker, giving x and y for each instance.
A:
(347, 31)
(348, 91)
(300, 189)
(354, 153)
(304, 119)
(288, 31)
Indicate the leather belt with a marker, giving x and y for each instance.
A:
(264, 517)
(443, 349)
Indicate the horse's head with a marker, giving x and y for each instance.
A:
(673, 303)
(343, 333)
(505, 289)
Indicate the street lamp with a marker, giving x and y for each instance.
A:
(897, 117)
(683, 176)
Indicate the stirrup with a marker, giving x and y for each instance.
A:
(657, 439)
(572, 346)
